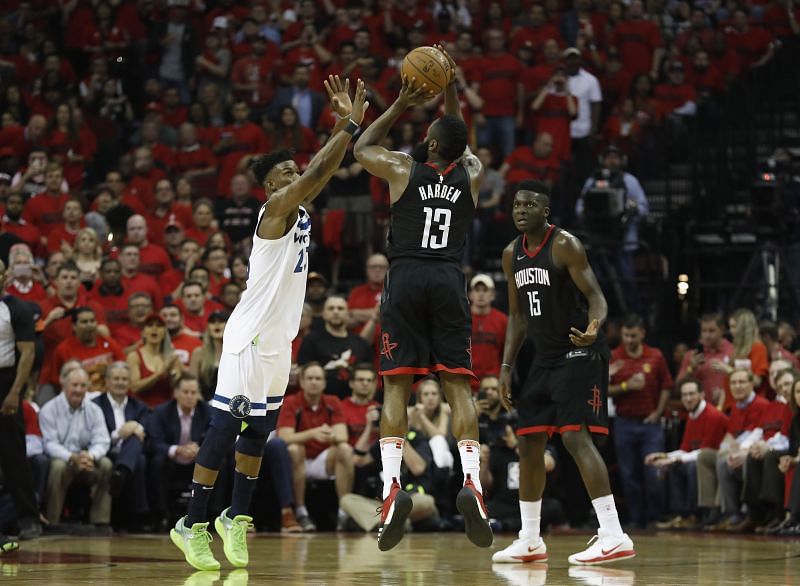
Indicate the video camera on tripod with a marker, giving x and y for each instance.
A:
(606, 211)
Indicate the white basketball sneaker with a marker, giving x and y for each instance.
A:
(604, 549)
(522, 551)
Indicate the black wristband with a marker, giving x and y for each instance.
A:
(358, 452)
(351, 127)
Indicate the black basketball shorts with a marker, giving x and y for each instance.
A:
(566, 396)
(426, 324)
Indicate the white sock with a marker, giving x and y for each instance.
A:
(301, 511)
(470, 452)
(391, 458)
(341, 514)
(531, 515)
(607, 515)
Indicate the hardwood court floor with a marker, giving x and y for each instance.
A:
(419, 560)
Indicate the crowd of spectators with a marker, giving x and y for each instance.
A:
(127, 214)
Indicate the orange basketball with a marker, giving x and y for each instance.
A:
(429, 66)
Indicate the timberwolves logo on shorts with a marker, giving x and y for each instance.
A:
(239, 406)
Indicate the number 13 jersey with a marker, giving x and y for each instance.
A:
(270, 308)
(548, 298)
(431, 219)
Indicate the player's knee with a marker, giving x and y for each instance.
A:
(216, 445)
(575, 442)
(252, 445)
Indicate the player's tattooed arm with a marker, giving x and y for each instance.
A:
(569, 252)
(515, 330)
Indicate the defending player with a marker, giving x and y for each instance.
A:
(256, 348)
(549, 283)
(425, 317)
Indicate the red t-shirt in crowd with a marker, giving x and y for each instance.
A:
(184, 345)
(637, 40)
(245, 139)
(488, 339)
(709, 378)
(669, 97)
(59, 234)
(653, 366)
(198, 323)
(153, 260)
(711, 81)
(705, 431)
(777, 418)
(142, 188)
(35, 292)
(157, 221)
(524, 164)
(94, 359)
(126, 334)
(749, 418)
(140, 283)
(355, 416)
(61, 329)
(553, 117)
(300, 416)
(751, 45)
(115, 307)
(45, 211)
(364, 296)
(193, 158)
(537, 36)
(25, 231)
(15, 137)
(498, 88)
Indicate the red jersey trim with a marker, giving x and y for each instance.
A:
(541, 244)
(404, 370)
(443, 368)
(549, 429)
(450, 167)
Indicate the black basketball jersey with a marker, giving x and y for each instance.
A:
(431, 219)
(549, 299)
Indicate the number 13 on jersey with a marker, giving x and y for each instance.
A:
(533, 302)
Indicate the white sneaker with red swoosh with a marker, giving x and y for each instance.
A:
(604, 549)
(522, 551)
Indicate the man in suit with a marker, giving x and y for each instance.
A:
(125, 417)
(307, 102)
(175, 431)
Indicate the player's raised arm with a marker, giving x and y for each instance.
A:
(325, 163)
(568, 251)
(515, 330)
(378, 160)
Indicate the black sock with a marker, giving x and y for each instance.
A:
(243, 487)
(198, 504)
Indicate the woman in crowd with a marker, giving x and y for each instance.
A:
(239, 271)
(789, 466)
(291, 134)
(205, 359)
(65, 146)
(88, 255)
(155, 368)
(431, 417)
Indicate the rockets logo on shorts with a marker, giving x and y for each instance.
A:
(239, 406)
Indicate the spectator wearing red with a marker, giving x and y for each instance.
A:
(163, 155)
(252, 74)
(622, 129)
(361, 410)
(639, 41)
(188, 253)
(29, 179)
(555, 109)
(753, 45)
(768, 332)
(166, 211)
(92, 350)
(203, 222)
(173, 112)
(488, 329)
(644, 103)
(748, 351)
(537, 163)
(676, 97)
(21, 140)
(724, 57)
(155, 368)
(501, 91)
(215, 260)
(65, 144)
(289, 133)
(780, 18)
(365, 299)
(13, 222)
(25, 278)
(315, 430)
(44, 210)
(62, 236)
(699, 32)
(196, 308)
(110, 294)
(133, 280)
(238, 140)
(534, 78)
(153, 260)
(464, 55)
(69, 295)
(192, 159)
(129, 333)
(184, 341)
(537, 32)
(705, 78)
(139, 193)
(703, 363)
(615, 81)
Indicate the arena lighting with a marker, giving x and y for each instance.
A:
(683, 286)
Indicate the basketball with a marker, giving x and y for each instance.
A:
(429, 66)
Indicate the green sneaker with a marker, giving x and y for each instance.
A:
(234, 537)
(194, 543)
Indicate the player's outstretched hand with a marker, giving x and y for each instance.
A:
(339, 95)
(413, 95)
(587, 338)
(505, 387)
(360, 104)
(447, 56)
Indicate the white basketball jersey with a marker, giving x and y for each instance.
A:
(270, 308)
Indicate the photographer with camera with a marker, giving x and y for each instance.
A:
(611, 203)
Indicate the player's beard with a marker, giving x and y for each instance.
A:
(420, 152)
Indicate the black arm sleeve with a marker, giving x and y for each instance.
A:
(21, 319)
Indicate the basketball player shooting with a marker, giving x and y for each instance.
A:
(256, 347)
(549, 284)
(425, 318)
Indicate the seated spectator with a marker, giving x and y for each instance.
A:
(13, 222)
(788, 465)
(335, 348)
(87, 255)
(705, 362)
(184, 341)
(44, 211)
(175, 431)
(125, 418)
(140, 192)
(724, 468)
(365, 299)
(215, 261)
(313, 426)
(133, 279)
(29, 179)
(705, 428)
(34, 449)
(488, 328)
(768, 333)
(230, 295)
(77, 441)
(748, 351)
(61, 236)
(204, 224)
(204, 365)
(196, 308)
(25, 278)
(361, 410)
(192, 159)
(186, 255)
(94, 351)
(753, 45)
(129, 333)
(492, 416)
(155, 368)
(622, 128)
(153, 260)
(165, 212)
(291, 134)
(237, 215)
(539, 163)
(430, 418)
(109, 294)
(676, 96)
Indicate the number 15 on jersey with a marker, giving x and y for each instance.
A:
(533, 303)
